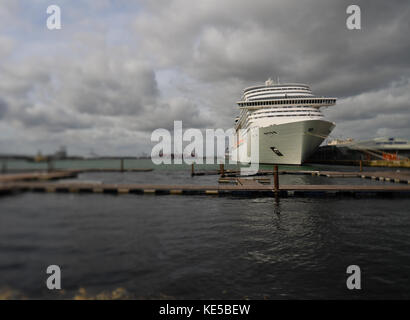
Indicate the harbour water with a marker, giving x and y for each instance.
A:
(203, 247)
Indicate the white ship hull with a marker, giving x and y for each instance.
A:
(287, 143)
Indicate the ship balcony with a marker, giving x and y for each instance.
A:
(315, 102)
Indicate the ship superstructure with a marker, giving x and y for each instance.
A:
(287, 119)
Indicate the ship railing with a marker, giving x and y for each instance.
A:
(259, 104)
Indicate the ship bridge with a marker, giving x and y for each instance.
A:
(271, 94)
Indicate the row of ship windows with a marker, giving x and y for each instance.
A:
(288, 115)
(263, 103)
(283, 115)
(287, 107)
(278, 89)
(261, 99)
(294, 114)
(294, 110)
(277, 93)
(273, 111)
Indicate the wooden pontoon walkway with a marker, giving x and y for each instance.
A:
(390, 176)
(253, 189)
(38, 176)
(237, 186)
(57, 174)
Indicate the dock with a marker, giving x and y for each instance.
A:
(246, 189)
(58, 174)
(37, 176)
(258, 186)
(389, 176)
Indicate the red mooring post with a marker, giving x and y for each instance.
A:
(276, 178)
(222, 170)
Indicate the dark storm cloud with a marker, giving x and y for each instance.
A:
(111, 86)
(163, 116)
(53, 121)
(59, 94)
(394, 99)
(237, 44)
(298, 41)
(383, 112)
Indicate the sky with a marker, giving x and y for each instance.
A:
(117, 70)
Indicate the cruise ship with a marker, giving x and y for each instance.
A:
(286, 121)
